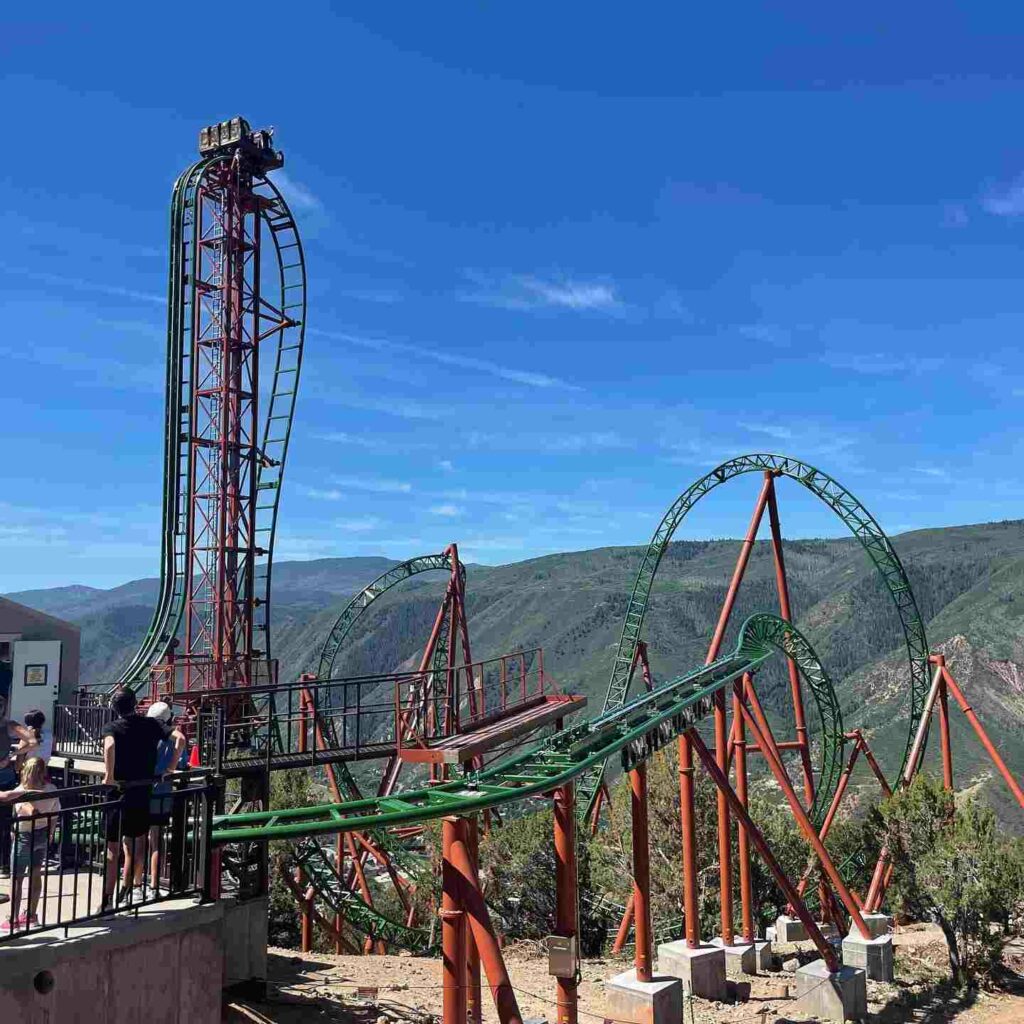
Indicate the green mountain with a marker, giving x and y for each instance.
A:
(969, 584)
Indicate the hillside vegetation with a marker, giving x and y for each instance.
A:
(969, 584)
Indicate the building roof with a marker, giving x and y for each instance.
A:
(19, 615)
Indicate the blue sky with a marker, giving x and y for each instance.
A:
(563, 260)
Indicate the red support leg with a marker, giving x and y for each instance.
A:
(761, 844)
(724, 822)
(687, 814)
(453, 930)
(746, 893)
(641, 873)
(785, 611)
(805, 825)
(475, 912)
(566, 923)
(473, 1003)
(968, 711)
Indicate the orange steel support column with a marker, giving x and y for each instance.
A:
(808, 829)
(785, 611)
(624, 925)
(968, 711)
(746, 894)
(687, 815)
(737, 575)
(473, 1004)
(828, 954)
(306, 903)
(476, 915)
(453, 930)
(721, 723)
(641, 873)
(566, 923)
(947, 749)
(724, 821)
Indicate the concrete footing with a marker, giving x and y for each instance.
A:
(764, 958)
(878, 924)
(701, 970)
(740, 958)
(873, 956)
(659, 1001)
(790, 929)
(840, 995)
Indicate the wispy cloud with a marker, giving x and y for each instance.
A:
(1005, 200)
(447, 511)
(297, 195)
(342, 437)
(375, 485)
(881, 364)
(766, 334)
(402, 408)
(320, 494)
(553, 443)
(446, 466)
(525, 291)
(384, 296)
(359, 525)
(465, 362)
(90, 370)
(773, 430)
(935, 472)
(79, 284)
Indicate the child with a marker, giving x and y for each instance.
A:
(34, 822)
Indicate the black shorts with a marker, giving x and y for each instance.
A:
(131, 819)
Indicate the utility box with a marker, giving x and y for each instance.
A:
(561, 956)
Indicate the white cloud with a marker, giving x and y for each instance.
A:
(358, 525)
(772, 430)
(375, 485)
(881, 364)
(321, 495)
(594, 440)
(447, 511)
(446, 466)
(1005, 200)
(297, 195)
(88, 286)
(509, 373)
(935, 472)
(525, 291)
(341, 437)
(384, 296)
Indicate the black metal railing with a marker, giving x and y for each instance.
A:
(67, 862)
(78, 729)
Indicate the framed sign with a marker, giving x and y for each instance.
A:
(35, 675)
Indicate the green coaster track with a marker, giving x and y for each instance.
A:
(854, 515)
(635, 731)
(287, 289)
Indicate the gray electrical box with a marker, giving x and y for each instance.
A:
(561, 956)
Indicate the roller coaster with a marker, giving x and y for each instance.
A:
(484, 737)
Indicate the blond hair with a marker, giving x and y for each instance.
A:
(33, 773)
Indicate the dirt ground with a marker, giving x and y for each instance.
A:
(397, 989)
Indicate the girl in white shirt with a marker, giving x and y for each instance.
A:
(34, 823)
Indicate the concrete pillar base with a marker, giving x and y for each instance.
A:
(790, 929)
(840, 996)
(878, 924)
(659, 1001)
(764, 958)
(873, 956)
(740, 958)
(701, 970)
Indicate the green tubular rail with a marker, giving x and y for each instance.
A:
(634, 731)
(383, 583)
(308, 855)
(856, 517)
(277, 218)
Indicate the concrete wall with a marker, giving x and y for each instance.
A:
(167, 966)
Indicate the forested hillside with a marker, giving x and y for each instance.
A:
(969, 583)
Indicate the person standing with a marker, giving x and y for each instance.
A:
(129, 757)
(9, 731)
(168, 759)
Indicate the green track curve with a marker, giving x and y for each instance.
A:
(854, 515)
(290, 300)
(635, 731)
(381, 585)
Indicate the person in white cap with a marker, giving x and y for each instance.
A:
(168, 758)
